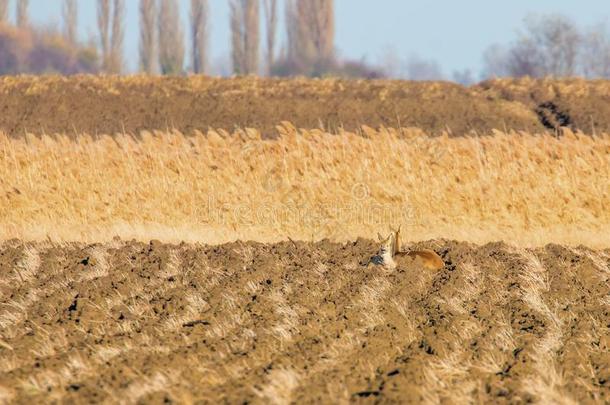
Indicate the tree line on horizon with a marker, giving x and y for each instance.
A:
(550, 45)
(309, 49)
(25, 48)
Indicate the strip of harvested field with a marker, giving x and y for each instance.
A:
(447, 374)
(307, 322)
(546, 381)
(525, 189)
(105, 104)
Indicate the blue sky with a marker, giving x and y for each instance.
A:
(453, 33)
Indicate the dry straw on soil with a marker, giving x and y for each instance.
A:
(302, 323)
(522, 188)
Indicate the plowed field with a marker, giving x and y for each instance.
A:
(303, 322)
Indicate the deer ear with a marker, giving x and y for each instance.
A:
(379, 237)
(399, 228)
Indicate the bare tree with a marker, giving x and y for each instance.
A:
(557, 40)
(311, 30)
(549, 47)
(103, 25)
(3, 11)
(251, 38)
(421, 69)
(495, 61)
(238, 55)
(171, 40)
(520, 59)
(245, 36)
(22, 13)
(596, 52)
(316, 27)
(148, 15)
(118, 34)
(393, 66)
(292, 30)
(463, 77)
(525, 59)
(270, 7)
(199, 33)
(70, 16)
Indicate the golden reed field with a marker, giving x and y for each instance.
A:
(216, 187)
(147, 256)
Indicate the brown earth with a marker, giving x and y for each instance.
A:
(302, 322)
(111, 105)
(576, 103)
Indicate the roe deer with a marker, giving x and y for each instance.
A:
(429, 258)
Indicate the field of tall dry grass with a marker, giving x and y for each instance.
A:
(526, 189)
